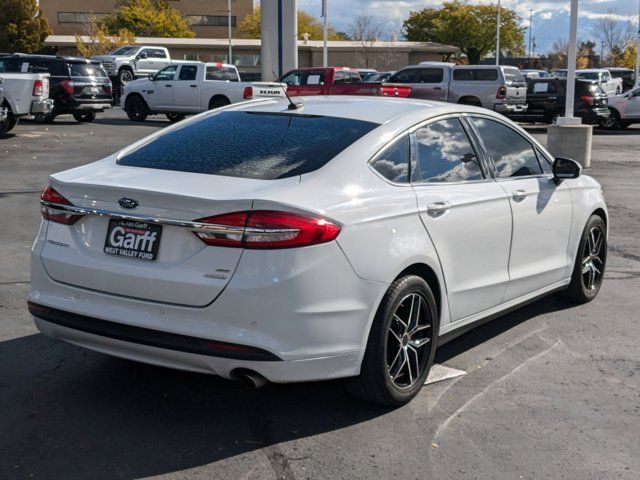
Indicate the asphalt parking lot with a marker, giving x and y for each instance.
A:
(552, 390)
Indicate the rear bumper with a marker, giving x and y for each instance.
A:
(310, 314)
(97, 107)
(510, 107)
(42, 106)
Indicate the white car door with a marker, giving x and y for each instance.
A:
(186, 93)
(466, 214)
(631, 105)
(145, 62)
(161, 97)
(542, 210)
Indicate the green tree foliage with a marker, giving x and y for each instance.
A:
(250, 27)
(148, 18)
(471, 28)
(23, 28)
(100, 41)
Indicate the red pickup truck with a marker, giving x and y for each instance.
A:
(336, 81)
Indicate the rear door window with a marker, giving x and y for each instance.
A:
(188, 72)
(512, 154)
(256, 145)
(431, 75)
(444, 154)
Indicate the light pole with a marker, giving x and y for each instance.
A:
(638, 47)
(530, 31)
(325, 29)
(498, 37)
(571, 64)
(229, 25)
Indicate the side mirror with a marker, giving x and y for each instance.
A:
(565, 169)
(142, 55)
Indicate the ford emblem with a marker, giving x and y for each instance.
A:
(128, 203)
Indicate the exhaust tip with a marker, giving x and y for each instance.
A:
(248, 378)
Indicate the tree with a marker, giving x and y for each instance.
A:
(366, 30)
(23, 28)
(613, 33)
(250, 26)
(148, 18)
(471, 28)
(100, 40)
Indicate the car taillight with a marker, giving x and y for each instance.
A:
(587, 99)
(266, 229)
(248, 93)
(108, 88)
(502, 93)
(38, 88)
(49, 195)
(67, 86)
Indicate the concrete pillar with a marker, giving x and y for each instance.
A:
(571, 141)
(279, 46)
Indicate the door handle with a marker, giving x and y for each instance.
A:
(168, 85)
(437, 88)
(193, 86)
(519, 195)
(438, 208)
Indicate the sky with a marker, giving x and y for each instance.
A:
(550, 17)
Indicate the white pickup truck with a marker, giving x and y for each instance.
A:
(130, 62)
(188, 88)
(24, 94)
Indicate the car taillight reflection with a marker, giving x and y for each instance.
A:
(267, 229)
(38, 88)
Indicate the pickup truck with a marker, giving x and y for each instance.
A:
(188, 88)
(502, 89)
(610, 84)
(24, 94)
(336, 81)
(131, 62)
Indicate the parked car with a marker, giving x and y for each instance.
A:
(24, 94)
(625, 110)
(263, 242)
(560, 73)
(131, 62)
(546, 101)
(78, 86)
(610, 85)
(365, 72)
(530, 74)
(378, 77)
(502, 89)
(334, 81)
(191, 87)
(627, 75)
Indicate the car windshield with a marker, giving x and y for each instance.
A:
(86, 70)
(125, 51)
(257, 145)
(589, 75)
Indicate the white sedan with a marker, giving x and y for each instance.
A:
(339, 237)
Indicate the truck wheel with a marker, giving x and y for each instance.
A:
(10, 122)
(84, 116)
(175, 117)
(125, 75)
(217, 102)
(136, 108)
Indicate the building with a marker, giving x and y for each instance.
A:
(208, 18)
(382, 56)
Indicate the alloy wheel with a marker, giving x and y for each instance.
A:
(593, 259)
(409, 341)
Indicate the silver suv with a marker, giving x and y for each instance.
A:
(498, 88)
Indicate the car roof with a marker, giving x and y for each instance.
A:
(50, 57)
(358, 107)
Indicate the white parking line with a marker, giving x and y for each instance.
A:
(440, 372)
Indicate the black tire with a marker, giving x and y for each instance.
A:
(136, 108)
(218, 102)
(612, 121)
(618, 91)
(125, 75)
(175, 117)
(84, 116)
(624, 124)
(582, 288)
(375, 383)
(10, 122)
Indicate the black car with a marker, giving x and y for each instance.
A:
(77, 85)
(627, 75)
(546, 101)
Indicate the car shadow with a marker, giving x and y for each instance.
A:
(70, 413)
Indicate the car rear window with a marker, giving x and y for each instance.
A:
(221, 73)
(257, 145)
(513, 75)
(476, 74)
(86, 70)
